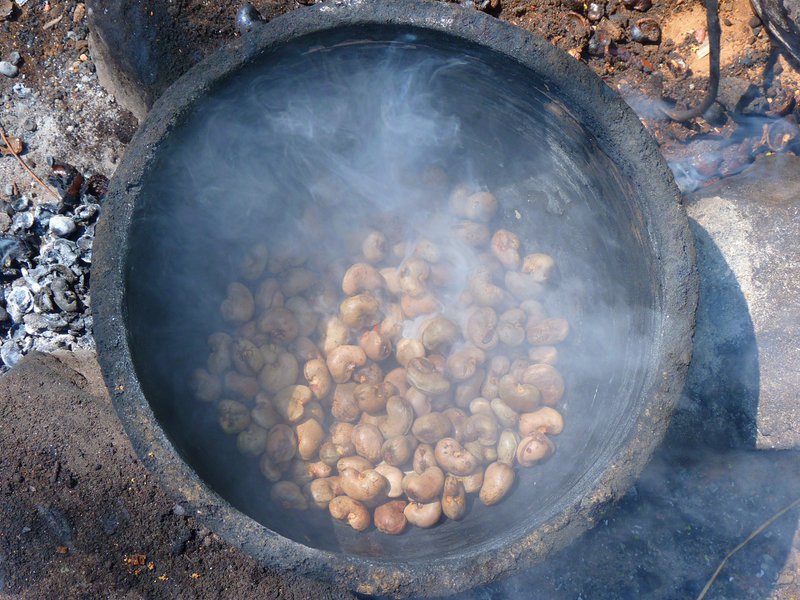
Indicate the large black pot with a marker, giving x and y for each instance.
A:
(620, 233)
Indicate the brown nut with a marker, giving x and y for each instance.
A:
(302, 472)
(412, 276)
(314, 410)
(545, 420)
(423, 515)
(497, 481)
(507, 447)
(481, 328)
(376, 346)
(547, 380)
(238, 305)
(290, 402)
(263, 413)
(546, 332)
(344, 406)
(360, 311)
(246, 387)
(392, 278)
(232, 416)
(369, 373)
(480, 206)
(296, 281)
(469, 389)
(423, 375)
(307, 317)
(279, 324)
(511, 327)
(439, 332)
(362, 277)
(481, 406)
(333, 333)
(454, 498)
(365, 486)
(415, 307)
(246, 357)
(329, 453)
(391, 327)
(322, 491)
(543, 355)
(357, 463)
(471, 233)
(205, 386)
(288, 494)
(372, 397)
(270, 469)
(279, 374)
(254, 261)
(424, 487)
(305, 350)
(484, 292)
(351, 511)
(520, 397)
(463, 364)
(453, 458)
(424, 458)
(221, 357)
(534, 448)
(395, 478)
(427, 251)
(318, 377)
(368, 442)
(458, 418)
(269, 295)
(397, 377)
(396, 451)
(281, 444)
(481, 428)
(408, 349)
(399, 417)
(472, 483)
(343, 360)
(505, 246)
(541, 266)
(432, 427)
(389, 517)
(309, 438)
(252, 441)
(374, 247)
(505, 415)
(418, 401)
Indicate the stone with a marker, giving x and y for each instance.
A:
(7, 69)
(61, 226)
(745, 373)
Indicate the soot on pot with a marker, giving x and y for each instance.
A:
(318, 144)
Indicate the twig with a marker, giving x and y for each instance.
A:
(749, 538)
(26, 167)
(52, 23)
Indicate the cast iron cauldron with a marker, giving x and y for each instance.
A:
(524, 108)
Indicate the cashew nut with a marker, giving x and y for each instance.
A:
(497, 481)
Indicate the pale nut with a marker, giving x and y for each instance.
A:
(497, 481)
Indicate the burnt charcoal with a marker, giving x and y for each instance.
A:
(43, 300)
(22, 221)
(59, 251)
(63, 296)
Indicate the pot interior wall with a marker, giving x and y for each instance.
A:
(557, 190)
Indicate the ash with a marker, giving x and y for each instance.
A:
(45, 258)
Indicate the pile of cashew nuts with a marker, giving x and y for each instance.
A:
(382, 388)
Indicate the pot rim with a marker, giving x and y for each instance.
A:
(617, 131)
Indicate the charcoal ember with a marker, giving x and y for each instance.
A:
(63, 295)
(61, 225)
(59, 251)
(599, 43)
(97, 186)
(10, 354)
(595, 11)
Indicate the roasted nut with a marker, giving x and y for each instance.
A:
(247, 358)
(288, 494)
(368, 442)
(238, 305)
(374, 345)
(480, 206)
(471, 233)
(469, 389)
(374, 247)
(438, 333)
(344, 406)
(511, 327)
(484, 291)
(249, 331)
(497, 481)
(360, 311)
(463, 364)
(314, 410)
(523, 285)
(246, 387)
(252, 441)
(334, 333)
(547, 380)
(423, 515)
(545, 420)
(458, 418)
(412, 276)
(322, 491)
(369, 373)
(415, 307)
(452, 457)
(399, 417)
(481, 428)
(279, 324)
(362, 277)
(424, 487)
(424, 458)
(389, 517)
(534, 448)
(372, 397)
(269, 295)
(351, 511)
(281, 444)
(296, 281)
(343, 360)
(432, 427)
(504, 414)
(365, 486)
(309, 438)
(397, 377)
(357, 463)
(454, 498)
(505, 246)
(396, 451)
(507, 447)
(541, 266)
(220, 359)
(205, 386)
(254, 261)
(279, 374)
(481, 406)
(290, 402)
(329, 453)
(304, 349)
(472, 483)
(307, 317)
(264, 414)
(302, 471)
(546, 332)
(232, 416)
(520, 397)
(427, 251)
(543, 355)
(418, 401)
(409, 349)
(424, 376)
(391, 327)
(392, 278)
(270, 469)
(318, 378)
(395, 478)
